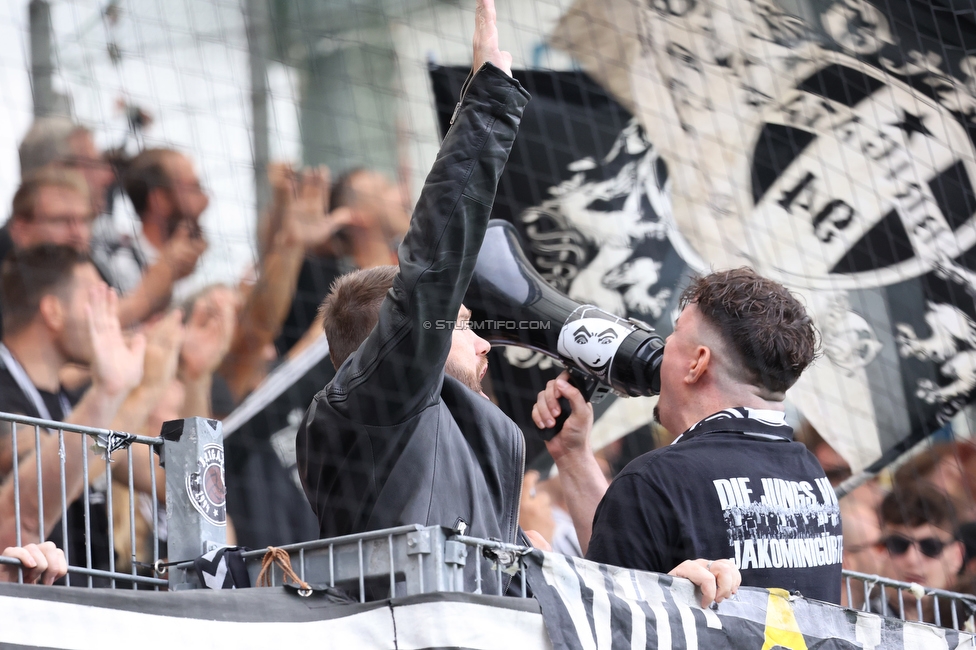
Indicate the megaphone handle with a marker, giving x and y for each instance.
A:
(584, 384)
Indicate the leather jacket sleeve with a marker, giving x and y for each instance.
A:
(398, 370)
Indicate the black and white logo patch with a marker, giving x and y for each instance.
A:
(860, 180)
(206, 488)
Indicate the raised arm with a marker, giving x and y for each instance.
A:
(398, 369)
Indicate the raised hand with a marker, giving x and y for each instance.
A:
(485, 39)
(209, 332)
(117, 365)
(164, 339)
(183, 250)
(307, 216)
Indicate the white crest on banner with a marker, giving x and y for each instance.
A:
(952, 344)
(610, 215)
(849, 341)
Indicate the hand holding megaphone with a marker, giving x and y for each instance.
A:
(551, 413)
(511, 304)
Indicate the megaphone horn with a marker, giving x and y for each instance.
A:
(511, 304)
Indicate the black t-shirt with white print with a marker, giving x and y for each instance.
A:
(734, 486)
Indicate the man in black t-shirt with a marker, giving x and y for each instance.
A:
(734, 485)
(57, 310)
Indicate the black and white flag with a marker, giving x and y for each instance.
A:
(590, 606)
(829, 145)
(223, 568)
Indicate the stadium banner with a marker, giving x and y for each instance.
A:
(595, 606)
(260, 618)
(587, 193)
(829, 145)
(583, 605)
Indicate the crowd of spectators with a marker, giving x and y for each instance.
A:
(913, 524)
(97, 329)
(92, 335)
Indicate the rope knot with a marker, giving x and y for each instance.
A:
(279, 556)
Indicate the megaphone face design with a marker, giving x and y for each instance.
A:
(592, 341)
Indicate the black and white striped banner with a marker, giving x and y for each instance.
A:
(589, 606)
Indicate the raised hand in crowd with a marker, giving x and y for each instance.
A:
(164, 339)
(209, 331)
(177, 259)
(117, 364)
(486, 39)
(306, 216)
(183, 250)
(42, 563)
(300, 208)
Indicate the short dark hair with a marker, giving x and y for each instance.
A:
(144, 173)
(916, 504)
(352, 308)
(30, 274)
(342, 193)
(764, 324)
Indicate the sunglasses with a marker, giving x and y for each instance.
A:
(929, 546)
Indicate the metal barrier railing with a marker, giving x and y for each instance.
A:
(85, 461)
(401, 561)
(961, 607)
(393, 562)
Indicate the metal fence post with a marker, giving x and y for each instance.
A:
(196, 512)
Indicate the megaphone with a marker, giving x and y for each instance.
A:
(511, 304)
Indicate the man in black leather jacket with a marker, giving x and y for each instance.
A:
(393, 440)
(403, 433)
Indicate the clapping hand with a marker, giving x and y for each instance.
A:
(164, 340)
(209, 332)
(117, 365)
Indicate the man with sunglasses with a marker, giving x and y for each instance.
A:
(918, 536)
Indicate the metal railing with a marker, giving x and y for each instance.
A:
(394, 562)
(401, 561)
(957, 608)
(92, 477)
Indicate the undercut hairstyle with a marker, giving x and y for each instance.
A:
(48, 141)
(766, 329)
(30, 274)
(352, 309)
(25, 199)
(917, 504)
(144, 173)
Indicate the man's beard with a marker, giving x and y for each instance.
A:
(465, 376)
